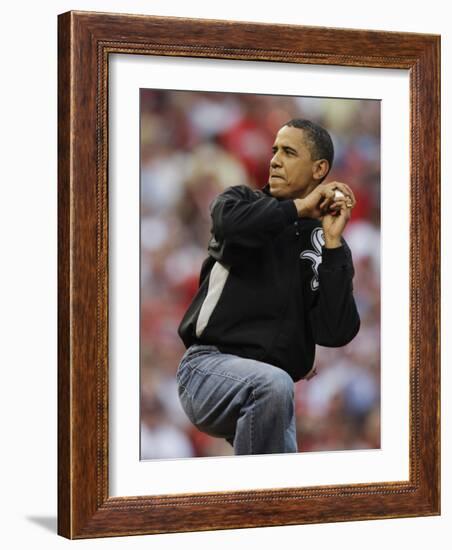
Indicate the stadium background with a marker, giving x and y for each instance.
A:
(193, 145)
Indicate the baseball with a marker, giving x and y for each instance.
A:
(338, 194)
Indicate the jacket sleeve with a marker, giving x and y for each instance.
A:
(243, 218)
(334, 318)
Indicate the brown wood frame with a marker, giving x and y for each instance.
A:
(85, 41)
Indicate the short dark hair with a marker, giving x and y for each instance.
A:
(318, 139)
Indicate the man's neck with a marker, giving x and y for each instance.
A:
(306, 191)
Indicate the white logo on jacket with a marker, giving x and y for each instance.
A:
(315, 256)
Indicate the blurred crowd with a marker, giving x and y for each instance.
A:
(194, 145)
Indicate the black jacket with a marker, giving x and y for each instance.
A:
(268, 289)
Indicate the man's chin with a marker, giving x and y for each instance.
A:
(276, 191)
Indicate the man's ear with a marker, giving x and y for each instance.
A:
(320, 169)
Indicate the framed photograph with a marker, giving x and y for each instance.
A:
(158, 117)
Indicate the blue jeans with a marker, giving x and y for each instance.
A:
(246, 402)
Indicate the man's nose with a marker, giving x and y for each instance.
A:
(275, 161)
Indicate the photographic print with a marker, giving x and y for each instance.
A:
(255, 325)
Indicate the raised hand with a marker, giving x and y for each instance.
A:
(331, 203)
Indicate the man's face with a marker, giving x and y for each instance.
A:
(293, 172)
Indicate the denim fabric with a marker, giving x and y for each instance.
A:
(246, 402)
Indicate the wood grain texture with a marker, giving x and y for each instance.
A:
(64, 295)
(85, 42)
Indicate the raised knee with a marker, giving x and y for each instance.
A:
(284, 384)
(277, 382)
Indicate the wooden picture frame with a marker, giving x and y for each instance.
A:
(85, 41)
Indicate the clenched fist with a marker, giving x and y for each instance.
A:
(331, 203)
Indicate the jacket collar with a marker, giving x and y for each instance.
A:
(266, 190)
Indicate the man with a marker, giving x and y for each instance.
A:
(277, 281)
